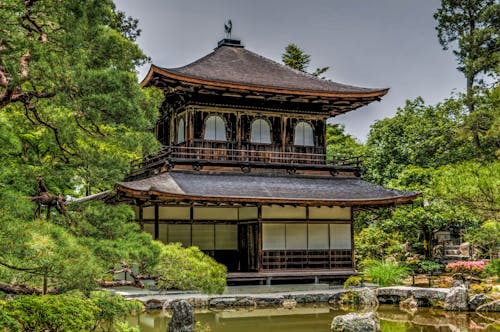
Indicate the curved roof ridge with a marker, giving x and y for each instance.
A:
(246, 69)
(309, 75)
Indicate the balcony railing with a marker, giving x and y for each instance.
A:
(246, 157)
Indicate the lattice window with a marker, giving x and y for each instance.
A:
(215, 128)
(181, 131)
(304, 134)
(261, 132)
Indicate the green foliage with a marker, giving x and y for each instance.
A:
(190, 269)
(33, 251)
(74, 113)
(341, 145)
(493, 268)
(373, 242)
(476, 186)
(352, 281)
(295, 58)
(486, 239)
(113, 310)
(419, 135)
(471, 28)
(67, 312)
(385, 273)
(114, 237)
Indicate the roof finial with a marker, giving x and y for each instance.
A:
(228, 26)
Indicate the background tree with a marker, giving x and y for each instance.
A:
(296, 58)
(71, 110)
(471, 28)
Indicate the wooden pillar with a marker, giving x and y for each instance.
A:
(238, 130)
(191, 117)
(141, 217)
(157, 221)
(283, 133)
(352, 237)
(259, 250)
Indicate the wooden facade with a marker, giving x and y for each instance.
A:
(244, 173)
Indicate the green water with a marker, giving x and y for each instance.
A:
(318, 318)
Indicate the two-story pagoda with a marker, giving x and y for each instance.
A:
(244, 173)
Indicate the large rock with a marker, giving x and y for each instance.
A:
(493, 306)
(182, 317)
(478, 300)
(457, 299)
(364, 298)
(409, 305)
(355, 323)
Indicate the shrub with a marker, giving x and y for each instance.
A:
(189, 269)
(385, 273)
(352, 281)
(66, 312)
(468, 267)
(493, 269)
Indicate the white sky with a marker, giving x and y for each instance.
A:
(370, 43)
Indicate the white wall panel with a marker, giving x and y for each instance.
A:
(283, 212)
(273, 236)
(203, 236)
(332, 213)
(340, 236)
(226, 237)
(318, 236)
(296, 236)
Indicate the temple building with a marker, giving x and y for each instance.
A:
(243, 173)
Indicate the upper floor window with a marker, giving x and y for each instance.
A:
(261, 133)
(215, 128)
(303, 134)
(181, 131)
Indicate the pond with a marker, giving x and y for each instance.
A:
(318, 319)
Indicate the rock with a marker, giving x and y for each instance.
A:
(407, 291)
(478, 300)
(289, 303)
(182, 317)
(493, 306)
(364, 299)
(410, 305)
(457, 299)
(154, 304)
(355, 323)
(367, 298)
(465, 249)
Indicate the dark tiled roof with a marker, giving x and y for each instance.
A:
(238, 66)
(262, 188)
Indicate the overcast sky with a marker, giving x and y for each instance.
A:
(370, 43)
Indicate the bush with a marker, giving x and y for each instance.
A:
(468, 267)
(66, 312)
(385, 273)
(493, 268)
(189, 269)
(352, 281)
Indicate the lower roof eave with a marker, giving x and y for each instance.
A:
(364, 203)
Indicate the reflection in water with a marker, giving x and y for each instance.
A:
(318, 318)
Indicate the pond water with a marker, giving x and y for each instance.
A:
(319, 318)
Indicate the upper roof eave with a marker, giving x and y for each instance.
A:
(193, 80)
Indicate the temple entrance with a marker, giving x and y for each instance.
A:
(248, 235)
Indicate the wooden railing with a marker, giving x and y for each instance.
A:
(306, 259)
(228, 154)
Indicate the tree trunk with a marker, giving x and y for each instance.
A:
(471, 107)
(24, 289)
